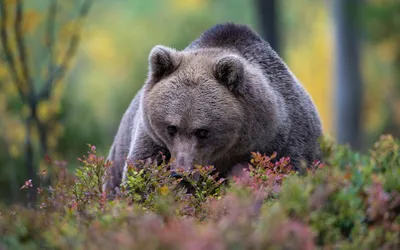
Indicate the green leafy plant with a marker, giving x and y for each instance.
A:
(90, 177)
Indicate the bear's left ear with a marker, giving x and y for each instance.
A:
(162, 61)
(229, 71)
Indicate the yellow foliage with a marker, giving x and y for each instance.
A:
(31, 21)
(57, 131)
(374, 94)
(311, 62)
(100, 46)
(67, 30)
(10, 10)
(14, 135)
(3, 71)
(164, 190)
(58, 91)
(14, 48)
(188, 4)
(386, 51)
(10, 2)
(43, 111)
(108, 65)
(10, 88)
(18, 132)
(46, 109)
(14, 150)
(65, 34)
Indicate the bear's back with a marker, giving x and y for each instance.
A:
(241, 39)
(227, 35)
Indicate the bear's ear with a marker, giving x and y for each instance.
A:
(162, 61)
(229, 70)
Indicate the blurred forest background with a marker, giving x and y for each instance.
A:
(69, 69)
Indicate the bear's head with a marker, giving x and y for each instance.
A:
(191, 103)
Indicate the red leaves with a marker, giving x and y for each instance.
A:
(315, 166)
(265, 174)
(93, 159)
(73, 206)
(294, 235)
(382, 207)
(378, 201)
(48, 159)
(27, 184)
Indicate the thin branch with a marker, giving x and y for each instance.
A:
(7, 51)
(50, 30)
(42, 129)
(59, 73)
(19, 36)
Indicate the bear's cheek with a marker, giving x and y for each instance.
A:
(203, 156)
(209, 150)
(222, 142)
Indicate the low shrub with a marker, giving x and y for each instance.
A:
(351, 201)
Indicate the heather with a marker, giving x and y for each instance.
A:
(348, 201)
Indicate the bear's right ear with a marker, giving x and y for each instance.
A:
(229, 71)
(162, 62)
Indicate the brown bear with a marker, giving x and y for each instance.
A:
(224, 96)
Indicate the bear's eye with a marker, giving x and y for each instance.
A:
(202, 133)
(172, 130)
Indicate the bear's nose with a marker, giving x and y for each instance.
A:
(183, 161)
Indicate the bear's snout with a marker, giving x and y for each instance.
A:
(183, 153)
(183, 160)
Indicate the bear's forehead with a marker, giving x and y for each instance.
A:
(195, 87)
(195, 69)
(188, 91)
(191, 78)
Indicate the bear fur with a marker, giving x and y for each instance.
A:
(224, 96)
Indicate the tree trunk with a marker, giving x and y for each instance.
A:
(30, 168)
(348, 99)
(267, 11)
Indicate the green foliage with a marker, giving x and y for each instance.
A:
(349, 201)
(90, 178)
(146, 182)
(153, 187)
